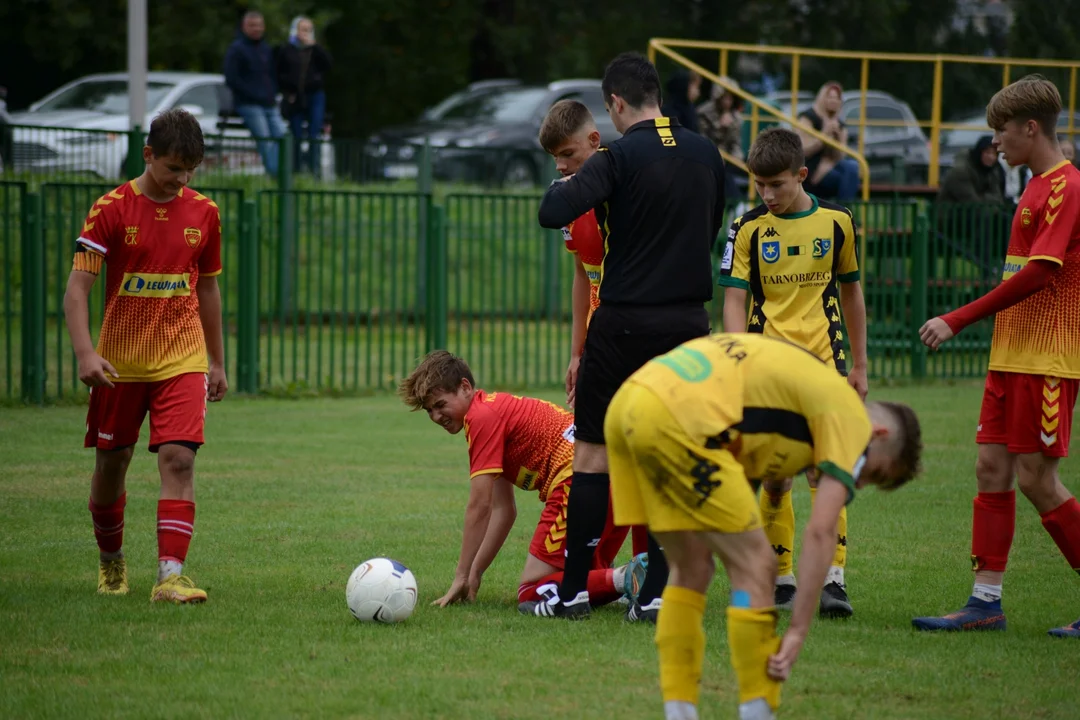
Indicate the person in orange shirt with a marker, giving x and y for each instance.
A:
(513, 442)
(1031, 385)
(160, 243)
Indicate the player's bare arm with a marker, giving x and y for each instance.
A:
(580, 303)
(566, 201)
(209, 295)
(854, 306)
(503, 516)
(734, 310)
(819, 543)
(94, 370)
(477, 517)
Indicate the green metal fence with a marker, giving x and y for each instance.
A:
(341, 291)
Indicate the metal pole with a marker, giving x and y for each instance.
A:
(136, 60)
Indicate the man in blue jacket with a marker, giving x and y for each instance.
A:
(249, 73)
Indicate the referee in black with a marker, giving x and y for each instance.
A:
(658, 192)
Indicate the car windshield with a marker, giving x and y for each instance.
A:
(104, 96)
(507, 106)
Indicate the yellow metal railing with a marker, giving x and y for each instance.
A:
(934, 124)
(756, 106)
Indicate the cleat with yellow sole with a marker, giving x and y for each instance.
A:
(177, 589)
(112, 577)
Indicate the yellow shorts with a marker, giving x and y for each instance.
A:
(662, 478)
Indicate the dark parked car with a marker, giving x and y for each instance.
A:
(484, 134)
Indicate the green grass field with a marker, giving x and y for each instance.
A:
(292, 495)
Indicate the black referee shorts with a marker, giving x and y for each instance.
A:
(620, 340)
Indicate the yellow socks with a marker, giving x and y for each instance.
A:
(779, 521)
(752, 638)
(840, 556)
(680, 640)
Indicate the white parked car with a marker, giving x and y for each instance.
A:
(81, 127)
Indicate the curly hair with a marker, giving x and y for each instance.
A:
(438, 371)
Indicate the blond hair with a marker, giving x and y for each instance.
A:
(565, 119)
(1032, 97)
(438, 371)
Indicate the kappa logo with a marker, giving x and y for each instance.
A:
(771, 232)
(770, 251)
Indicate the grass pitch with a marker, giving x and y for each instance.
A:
(292, 495)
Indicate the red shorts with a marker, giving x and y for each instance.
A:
(1027, 413)
(549, 540)
(177, 408)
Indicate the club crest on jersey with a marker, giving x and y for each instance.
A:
(1025, 217)
(193, 235)
(131, 235)
(822, 247)
(770, 251)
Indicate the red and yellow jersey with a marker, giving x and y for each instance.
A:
(582, 238)
(154, 254)
(529, 442)
(1041, 335)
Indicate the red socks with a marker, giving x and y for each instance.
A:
(601, 587)
(992, 529)
(1063, 524)
(109, 524)
(176, 520)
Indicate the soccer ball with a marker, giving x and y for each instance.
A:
(381, 590)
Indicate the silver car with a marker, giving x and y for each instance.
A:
(82, 126)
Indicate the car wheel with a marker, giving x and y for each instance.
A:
(519, 172)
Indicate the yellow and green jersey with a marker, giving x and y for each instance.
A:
(791, 265)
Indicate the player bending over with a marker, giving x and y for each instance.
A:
(796, 256)
(1027, 408)
(512, 441)
(684, 433)
(160, 243)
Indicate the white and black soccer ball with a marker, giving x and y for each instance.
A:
(381, 590)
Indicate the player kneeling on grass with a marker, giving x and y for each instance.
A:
(513, 441)
(161, 244)
(684, 434)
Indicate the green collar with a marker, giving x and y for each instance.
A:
(804, 213)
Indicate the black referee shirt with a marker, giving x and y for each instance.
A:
(658, 192)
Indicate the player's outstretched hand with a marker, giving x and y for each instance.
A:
(216, 383)
(857, 380)
(934, 332)
(781, 663)
(571, 380)
(94, 371)
(458, 592)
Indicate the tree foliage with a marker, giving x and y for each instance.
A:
(395, 57)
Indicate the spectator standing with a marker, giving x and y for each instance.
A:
(683, 90)
(302, 65)
(249, 73)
